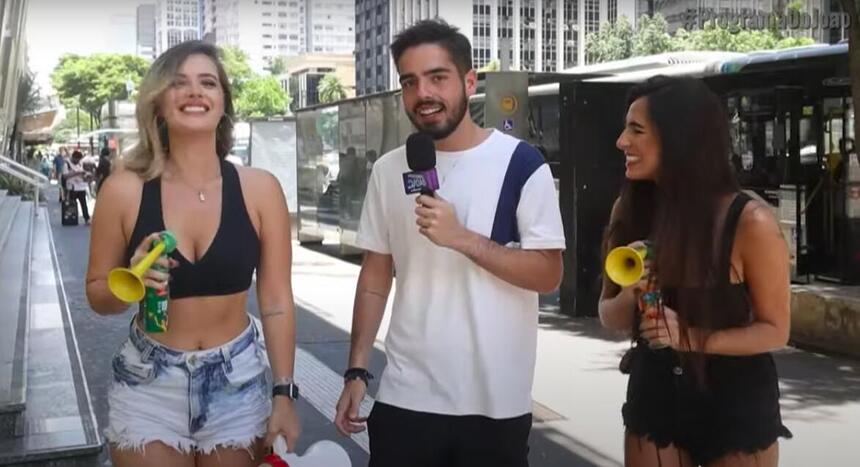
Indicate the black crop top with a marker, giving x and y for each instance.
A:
(228, 265)
(731, 299)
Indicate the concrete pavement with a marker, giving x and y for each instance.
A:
(578, 390)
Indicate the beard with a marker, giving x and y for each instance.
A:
(444, 128)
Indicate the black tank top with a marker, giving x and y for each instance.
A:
(228, 265)
(729, 298)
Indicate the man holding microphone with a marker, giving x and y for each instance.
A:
(472, 252)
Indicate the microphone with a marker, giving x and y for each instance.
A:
(421, 157)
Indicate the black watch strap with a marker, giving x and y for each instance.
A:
(289, 390)
(357, 373)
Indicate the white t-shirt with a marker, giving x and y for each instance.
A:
(75, 182)
(462, 341)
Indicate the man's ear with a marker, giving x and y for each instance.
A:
(470, 80)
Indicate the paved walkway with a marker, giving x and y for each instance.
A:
(578, 390)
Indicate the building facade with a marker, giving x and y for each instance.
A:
(13, 64)
(372, 39)
(533, 35)
(265, 29)
(146, 31)
(305, 72)
(176, 21)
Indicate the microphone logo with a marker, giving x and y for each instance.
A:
(420, 182)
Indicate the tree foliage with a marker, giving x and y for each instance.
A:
(236, 66)
(651, 36)
(613, 41)
(261, 96)
(67, 130)
(91, 81)
(278, 65)
(331, 89)
(618, 41)
(492, 65)
(28, 94)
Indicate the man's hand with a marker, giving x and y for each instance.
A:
(346, 419)
(438, 221)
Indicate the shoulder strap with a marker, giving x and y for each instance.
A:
(729, 230)
(524, 162)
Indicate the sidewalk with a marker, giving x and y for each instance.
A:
(578, 390)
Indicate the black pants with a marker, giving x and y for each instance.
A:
(401, 438)
(81, 197)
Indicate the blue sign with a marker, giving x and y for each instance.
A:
(508, 124)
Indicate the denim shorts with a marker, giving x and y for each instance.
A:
(193, 401)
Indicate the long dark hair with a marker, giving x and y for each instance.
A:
(679, 213)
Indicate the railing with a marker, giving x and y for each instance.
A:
(26, 175)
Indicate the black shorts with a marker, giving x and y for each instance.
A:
(737, 410)
(400, 438)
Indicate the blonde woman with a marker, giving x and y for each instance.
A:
(199, 393)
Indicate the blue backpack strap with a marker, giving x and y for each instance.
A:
(524, 162)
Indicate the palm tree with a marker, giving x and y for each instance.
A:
(331, 89)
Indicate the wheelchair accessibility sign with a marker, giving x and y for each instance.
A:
(508, 124)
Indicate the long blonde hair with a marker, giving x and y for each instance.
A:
(148, 156)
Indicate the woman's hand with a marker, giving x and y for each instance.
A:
(152, 277)
(661, 331)
(284, 421)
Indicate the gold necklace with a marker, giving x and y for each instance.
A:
(200, 191)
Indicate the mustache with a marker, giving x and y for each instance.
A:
(428, 102)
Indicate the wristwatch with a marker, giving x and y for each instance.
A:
(287, 388)
(357, 373)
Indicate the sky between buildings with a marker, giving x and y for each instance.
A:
(55, 27)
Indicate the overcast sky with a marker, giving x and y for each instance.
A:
(55, 27)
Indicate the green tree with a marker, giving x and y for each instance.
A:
(651, 36)
(492, 65)
(236, 66)
(91, 81)
(714, 37)
(67, 130)
(28, 94)
(613, 41)
(261, 96)
(278, 65)
(330, 89)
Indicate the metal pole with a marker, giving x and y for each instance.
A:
(78, 121)
(92, 125)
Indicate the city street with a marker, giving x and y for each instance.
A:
(578, 390)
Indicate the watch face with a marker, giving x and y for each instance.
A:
(289, 390)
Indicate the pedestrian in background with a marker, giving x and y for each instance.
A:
(76, 185)
(198, 393)
(703, 387)
(470, 263)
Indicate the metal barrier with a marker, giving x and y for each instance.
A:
(26, 175)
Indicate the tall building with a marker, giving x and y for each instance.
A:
(176, 21)
(121, 33)
(265, 29)
(208, 9)
(146, 31)
(305, 72)
(13, 64)
(533, 35)
(372, 39)
(325, 28)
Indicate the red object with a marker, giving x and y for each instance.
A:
(274, 460)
